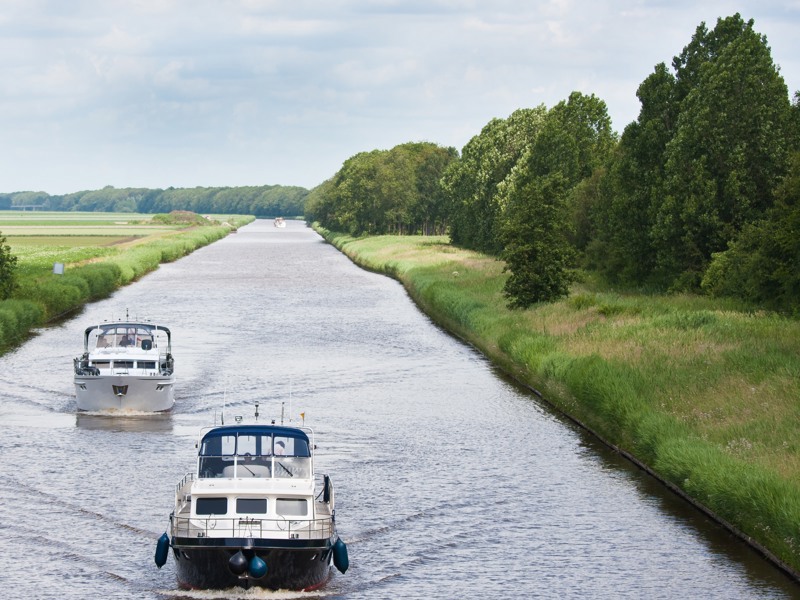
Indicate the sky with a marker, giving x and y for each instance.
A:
(186, 93)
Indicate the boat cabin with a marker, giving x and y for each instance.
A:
(265, 451)
(254, 476)
(124, 335)
(126, 348)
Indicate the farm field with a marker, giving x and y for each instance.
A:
(40, 239)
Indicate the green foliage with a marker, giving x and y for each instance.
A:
(621, 247)
(261, 201)
(536, 248)
(8, 263)
(181, 217)
(472, 184)
(761, 265)
(701, 163)
(385, 191)
(17, 318)
(56, 294)
(101, 278)
(550, 194)
(728, 153)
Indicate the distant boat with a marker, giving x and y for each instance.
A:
(125, 366)
(280, 222)
(254, 513)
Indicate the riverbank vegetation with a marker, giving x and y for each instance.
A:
(701, 390)
(59, 264)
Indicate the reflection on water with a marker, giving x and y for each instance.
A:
(450, 481)
(125, 422)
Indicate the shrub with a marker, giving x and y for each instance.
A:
(8, 264)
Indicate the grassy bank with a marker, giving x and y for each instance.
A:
(99, 254)
(701, 392)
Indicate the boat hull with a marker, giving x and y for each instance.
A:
(201, 567)
(124, 393)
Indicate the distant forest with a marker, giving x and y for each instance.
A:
(261, 201)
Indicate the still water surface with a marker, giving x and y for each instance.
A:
(450, 481)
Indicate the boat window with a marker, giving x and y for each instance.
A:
(101, 364)
(291, 507)
(219, 445)
(249, 466)
(289, 446)
(123, 364)
(251, 506)
(297, 467)
(210, 466)
(254, 445)
(147, 364)
(211, 506)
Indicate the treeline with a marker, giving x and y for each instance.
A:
(699, 193)
(393, 191)
(260, 201)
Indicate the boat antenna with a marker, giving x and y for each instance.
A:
(256, 410)
(222, 414)
(283, 404)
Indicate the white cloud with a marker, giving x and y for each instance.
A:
(237, 92)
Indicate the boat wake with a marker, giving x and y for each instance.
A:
(120, 412)
(236, 593)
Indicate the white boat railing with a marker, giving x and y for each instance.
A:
(251, 527)
(187, 479)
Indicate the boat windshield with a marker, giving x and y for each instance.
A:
(260, 453)
(123, 335)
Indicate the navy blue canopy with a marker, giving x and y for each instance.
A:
(295, 441)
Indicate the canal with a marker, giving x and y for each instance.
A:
(451, 481)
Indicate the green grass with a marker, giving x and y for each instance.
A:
(704, 392)
(19, 243)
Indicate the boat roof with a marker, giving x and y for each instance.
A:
(145, 324)
(279, 430)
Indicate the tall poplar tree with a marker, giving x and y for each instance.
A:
(538, 197)
(621, 247)
(472, 183)
(729, 150)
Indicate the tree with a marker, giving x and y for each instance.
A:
(547, 195)
(536, 250)
(761, 264)
(8, 265)
(384, 191)
(621, 246)
(471, 184)
(729, 150)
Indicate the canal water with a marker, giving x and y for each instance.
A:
(451, 482)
